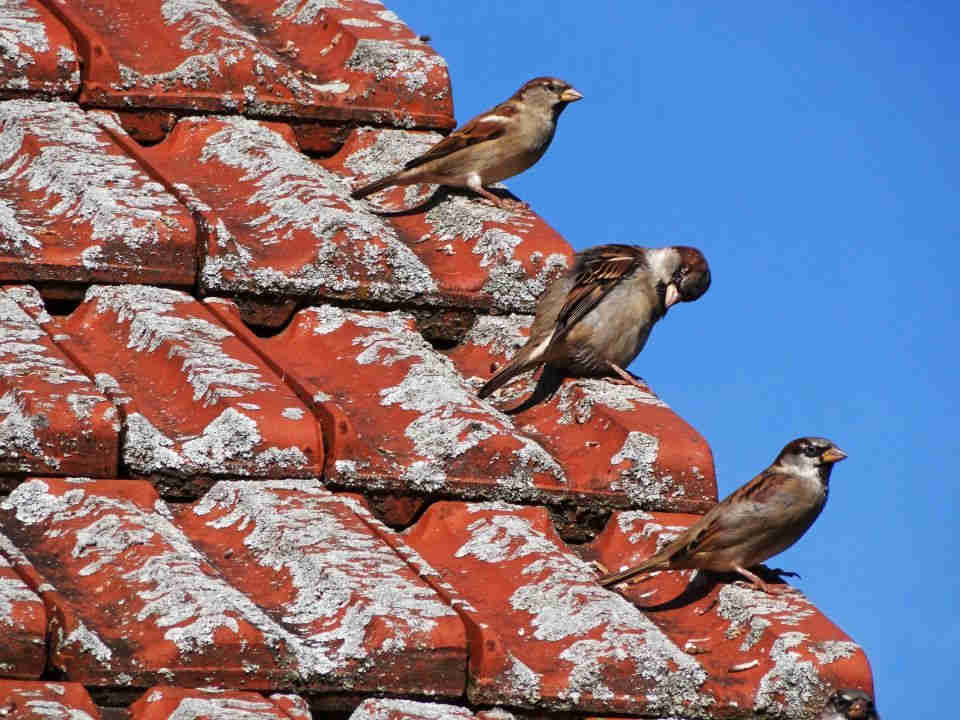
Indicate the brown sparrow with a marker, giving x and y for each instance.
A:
(595, 319)
(849, 705)
(764, 517)
(495, 145)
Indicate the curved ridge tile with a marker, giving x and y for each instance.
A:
(771, 655)
(38, 54)
(23, 620)
(25, 700)
(316, 562)
(53, 420)
(74, 208)
(260, 57)
(196, 401)
(617, 441)
(546, 636)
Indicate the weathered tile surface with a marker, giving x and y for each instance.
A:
(53, 420)
(390, 709)
(196, 401)
(612, 439)
(23, 621)
(314, 562)
(343, 60)
(174, 703)
(26, 700)
(74, 208)
(479, 255)
(396, 415)
(771, 655)
(37, 53)
(543, 633)
(277, 224)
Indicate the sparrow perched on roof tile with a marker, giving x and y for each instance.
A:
(593, 320)
(762, 518)
(849, 705)
(495, 145)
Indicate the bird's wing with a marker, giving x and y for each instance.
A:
(600, 269)
(482, 128)
(728, 523)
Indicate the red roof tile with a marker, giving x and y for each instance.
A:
(767, 654)
(172, 703)
(25, 700)
(53, 420)
(347, 60)
(195, 400)
(39, 55)
(23, 622)
(75, 208)
(614, 440)
(543, 633)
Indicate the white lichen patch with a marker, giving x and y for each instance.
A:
(389, 151)
(225, 708)
(20, 435)
(577, 400)
(23, 37)
(754, 611)
(231, 443)
(53, 710)
(792, 684)
(499, 335)
(594, 633)
(509, 286)
(344, 577)
(297, 200)
(26, 352)
(450, 421)
(403, 60)
(153, 323)
(12, 591)
(389, 709)
(170, 591)
(87, 184)
(639, 480)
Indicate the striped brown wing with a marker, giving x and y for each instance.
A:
(722, 528)
(599, 271)
(476, 131)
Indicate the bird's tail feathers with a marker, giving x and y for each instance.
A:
(657, 562)
(373, 187)
(505, 374)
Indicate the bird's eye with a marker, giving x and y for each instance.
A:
(811, 450)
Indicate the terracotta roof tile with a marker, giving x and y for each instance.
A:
(389, 709)
(25, 700)
(196, 402)
(319, 563)
(39, 55)
(23, 623)
(544, 634)
(76, 209)
(169, 703)
(767, 654)
(483, 256)
(348, 60)
(614, 440)
(53, 420)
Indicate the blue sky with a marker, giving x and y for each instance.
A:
(811, 151)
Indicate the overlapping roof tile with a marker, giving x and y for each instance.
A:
(207, 346)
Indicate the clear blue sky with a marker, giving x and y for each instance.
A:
(812, 151)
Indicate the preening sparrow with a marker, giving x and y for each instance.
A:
(755, 522)
(495, 145)
(593, 320)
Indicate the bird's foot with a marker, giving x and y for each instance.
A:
(599, 567)
(627, 377)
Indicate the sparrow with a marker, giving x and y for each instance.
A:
(495, 145)
(762, 518)
(593, 320)
(849, 705)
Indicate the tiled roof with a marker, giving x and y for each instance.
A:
(245, 470)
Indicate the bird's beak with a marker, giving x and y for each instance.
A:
(570, 95)
(672, 297)
(833, 455)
